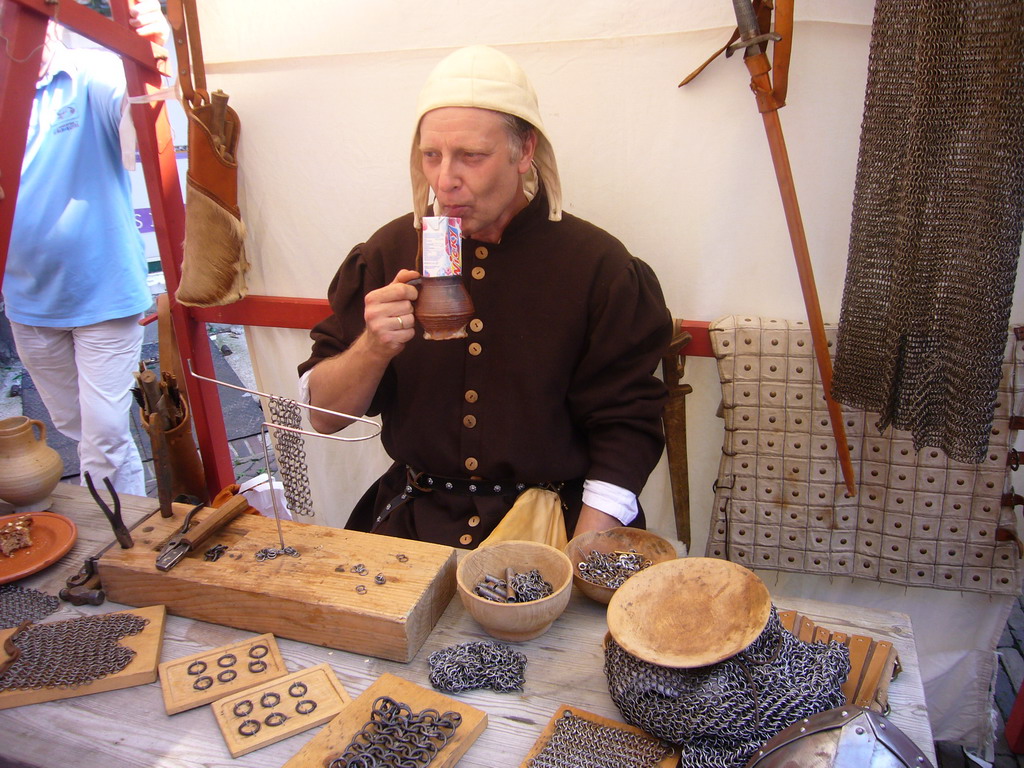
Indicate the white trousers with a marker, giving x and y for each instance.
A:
(84, 376)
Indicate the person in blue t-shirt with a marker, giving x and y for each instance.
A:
(75, 282)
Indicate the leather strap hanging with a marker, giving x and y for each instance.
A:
(189, 47)
(167, 343)
(782, 36)
(214, 265)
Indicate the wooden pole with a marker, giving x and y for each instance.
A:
(768, 105)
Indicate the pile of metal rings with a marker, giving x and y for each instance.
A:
(611, 569)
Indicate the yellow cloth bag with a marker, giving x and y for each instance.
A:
(536, 516)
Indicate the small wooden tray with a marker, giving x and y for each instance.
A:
(140, 670)
(178, 684)
(669, 761)
(873, 663)
(321, 687)
(337, 735)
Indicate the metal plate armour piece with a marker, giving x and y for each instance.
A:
(845, 737)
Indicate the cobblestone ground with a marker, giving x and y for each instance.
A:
(1008, 682)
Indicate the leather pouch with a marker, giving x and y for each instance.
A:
(214, 262)
(185, 466)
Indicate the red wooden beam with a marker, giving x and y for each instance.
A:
(303, 314)
(268, 312)
(24, 31)
(117, 37)
(700, 344)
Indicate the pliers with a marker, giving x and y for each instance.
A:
(121, 533)
(191, 536)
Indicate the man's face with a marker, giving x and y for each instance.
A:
(468, 163)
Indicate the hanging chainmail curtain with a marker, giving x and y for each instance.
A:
(937, 217)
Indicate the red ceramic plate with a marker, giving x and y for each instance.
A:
(52, 536)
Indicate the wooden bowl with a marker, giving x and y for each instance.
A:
(515, 622)
(689, 612)
(652, 546)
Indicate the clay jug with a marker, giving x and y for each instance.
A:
(443, 308)
(29, 468)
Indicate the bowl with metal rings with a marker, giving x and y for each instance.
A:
(603, 560)
(515, 589)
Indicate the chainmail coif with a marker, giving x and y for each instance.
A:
(938, 211)
(721, 714)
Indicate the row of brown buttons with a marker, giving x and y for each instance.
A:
(469, 421)
(466, 539)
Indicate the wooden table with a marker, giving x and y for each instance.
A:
(129, 727)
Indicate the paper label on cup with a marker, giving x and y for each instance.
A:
(442, 246)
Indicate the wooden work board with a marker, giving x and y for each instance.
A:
(337, 734)
(873, 663)
(142, 669)
(668, 761)
(359, 592)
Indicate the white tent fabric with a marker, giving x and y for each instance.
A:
(326, 90)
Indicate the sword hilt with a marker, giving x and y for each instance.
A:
(749, 30)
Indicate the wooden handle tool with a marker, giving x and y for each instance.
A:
(182, 543)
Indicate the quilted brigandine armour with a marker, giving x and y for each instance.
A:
(919, 518)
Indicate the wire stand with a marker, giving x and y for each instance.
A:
(286, 416)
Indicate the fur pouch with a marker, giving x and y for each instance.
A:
(214, 263)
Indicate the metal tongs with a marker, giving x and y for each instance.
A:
(121, 533)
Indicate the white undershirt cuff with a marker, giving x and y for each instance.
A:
(611, 499)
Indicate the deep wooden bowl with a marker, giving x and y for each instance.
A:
(515, 622)
(652, 546)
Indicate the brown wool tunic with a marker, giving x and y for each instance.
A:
(554, 383)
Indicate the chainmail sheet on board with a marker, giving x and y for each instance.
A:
(72, 652)
(919, 518)
(937, 215)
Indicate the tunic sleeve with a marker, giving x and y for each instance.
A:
(355, 278)
(615, 396)
(335, 334)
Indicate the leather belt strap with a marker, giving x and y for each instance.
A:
(423, 482)
(419, 483)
